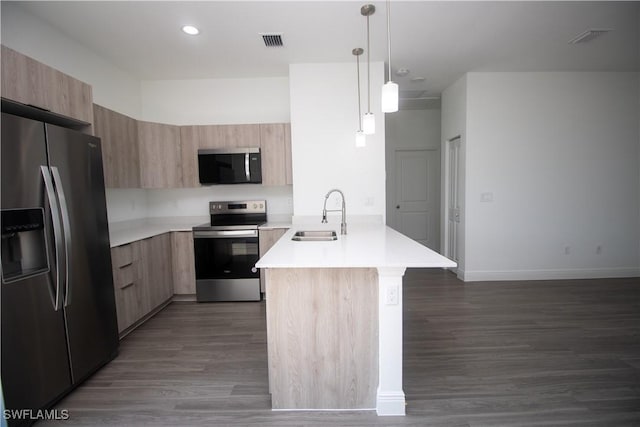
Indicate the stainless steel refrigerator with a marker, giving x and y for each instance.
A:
(58, 308)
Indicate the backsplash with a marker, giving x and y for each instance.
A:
(129, 204)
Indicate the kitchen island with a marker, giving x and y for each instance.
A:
(334, 317)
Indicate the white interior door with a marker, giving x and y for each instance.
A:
(453, 196)
(417, 195)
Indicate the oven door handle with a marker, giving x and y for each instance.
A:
(224, 234)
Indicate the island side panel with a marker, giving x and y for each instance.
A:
(322, 335)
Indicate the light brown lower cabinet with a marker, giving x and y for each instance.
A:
(158, 276)
(184, 269)
(268, 238)
(142, 278)
(127, 282)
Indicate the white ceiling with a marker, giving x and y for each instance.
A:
(436, 40)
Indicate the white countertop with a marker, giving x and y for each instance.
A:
(365, 245)
(277, 221)
(121, 233)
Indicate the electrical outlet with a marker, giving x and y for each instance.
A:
(391, 295)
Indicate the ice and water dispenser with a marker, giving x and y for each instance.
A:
(24, 249)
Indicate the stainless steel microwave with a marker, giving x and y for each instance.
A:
(230, 166)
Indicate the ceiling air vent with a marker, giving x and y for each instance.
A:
(589, 35)
(272, 40)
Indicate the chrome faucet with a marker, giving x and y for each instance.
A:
(343, 224)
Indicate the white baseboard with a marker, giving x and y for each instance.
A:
(390, 403)
(580, 273)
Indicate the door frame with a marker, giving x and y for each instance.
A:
(447, 174)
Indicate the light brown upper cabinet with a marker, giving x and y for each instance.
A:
(160, 155)
(276, 153)
(120, 157)
(239, 136)
(189, 140)
(288, 155)
(30, 82)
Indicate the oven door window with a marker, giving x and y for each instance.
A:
(226, 258)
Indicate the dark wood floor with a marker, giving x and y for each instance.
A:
(544, 353)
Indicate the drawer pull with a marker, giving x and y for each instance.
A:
(126, 265)
(126, 285)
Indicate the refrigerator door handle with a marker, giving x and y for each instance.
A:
(55, 219)
(66, 227)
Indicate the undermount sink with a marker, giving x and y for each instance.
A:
(315, 236)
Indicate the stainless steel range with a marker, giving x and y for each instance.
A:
(226, 251)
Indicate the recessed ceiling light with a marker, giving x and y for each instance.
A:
(191, 30)
(401, 72)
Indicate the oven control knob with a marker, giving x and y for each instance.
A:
(255, 206)
(253, 269)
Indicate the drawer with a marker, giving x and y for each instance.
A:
(126, 276)
(122, 256)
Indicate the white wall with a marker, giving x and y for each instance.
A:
(216, 101)
(112, 87)
(559, 153)
(324, 119)
(195, 201)
(126, 204)
(454, 124)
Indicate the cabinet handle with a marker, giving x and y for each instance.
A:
(128, 264)
(126, 285)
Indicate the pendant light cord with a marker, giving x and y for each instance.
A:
(389, 35)
(368, 69)
(359, 109)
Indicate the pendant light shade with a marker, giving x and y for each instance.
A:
(361, 139)
(369, 124)
(390, 89)
(369, 120)
(390, 97)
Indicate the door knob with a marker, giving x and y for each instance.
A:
(397, 206)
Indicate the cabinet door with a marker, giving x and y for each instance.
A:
(30, 82)
(189, 144)
(184, 271)
(127, 282)
(288, 164)
(272, 139)
(235, 136)
(268, 238)
(120, 154)
(160, 155)
(158, 278)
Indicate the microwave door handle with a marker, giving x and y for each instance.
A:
(57, 236)
(247, 170)
(66, 227)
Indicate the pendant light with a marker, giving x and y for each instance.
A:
(361, 140)
(369, 120)
(389, 89)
